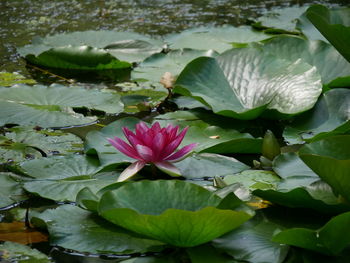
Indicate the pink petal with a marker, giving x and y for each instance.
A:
(145, 153)
(172, 133)
(123, 147)
(174, 144)
(182, 153)
(131, 170)
(158, 145)
(156, 127)
(168, 168)
(141, 128)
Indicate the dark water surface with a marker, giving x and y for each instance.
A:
(21, 20)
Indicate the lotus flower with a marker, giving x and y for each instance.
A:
(153, 145)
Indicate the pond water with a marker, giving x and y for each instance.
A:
(21, 20)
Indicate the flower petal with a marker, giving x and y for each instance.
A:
(168, 168)
(131, 170)
(145, 153)
(171, 147)
(182, 153)
(123, 147)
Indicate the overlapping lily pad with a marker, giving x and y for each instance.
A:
(178, 213)
(15, 252)
(334, 25)
(219, 39)
(279, 21)
(331, 239)
(10, 189)
(336, 72)
(329, 117)
(330, 159)
(90, 50)
(8, 79)
(20, 143)
(61, 178)
(243, 83)
(154, 67)
(74, 228)
(52, 106)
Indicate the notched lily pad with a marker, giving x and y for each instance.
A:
(52, 106)
(74, 228)
(175, 212)
(22, 143)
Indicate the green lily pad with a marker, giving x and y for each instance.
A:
(251, 242)
(208, 165)
(328, 117)
(185, 214)
(21, 143)
(314, 53)
(14, 252)
(94, 50)
(8, 79)
(254, 179)
(333, 25)
(330, 159)
(331, 239)
(280, 20)
(60, 178)
(52, 106)
(153, 68)
(312, 195)
(74, 228)
(244, 82)
(219, 39)
(10, 190)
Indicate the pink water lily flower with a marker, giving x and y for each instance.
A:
(153, 145)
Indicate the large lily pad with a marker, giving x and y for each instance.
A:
(19, 144)
(74, 228)
(52, 106)
(314, 53)
(329, 116)
(330, 159)
(331, 239)
(242, 83)
(94, 50)
(61, 178)
(154, 67)
(176, 212)
(333, 25)
(219, 39)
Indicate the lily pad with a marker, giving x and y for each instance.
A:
(10, 190)
(9, 79)
(219, 39)
(208, 165)
(14, 252)
(333, 25)
(21, 143)
(153, 68)
(185, 214)
(254, 179)
(243, 83)
(74, 228)
(331, 239)
(251, 242)
(91, 50)
(61, 178)
(52, 106)
(329, 117)
(280, 20)
(314, 53)
(330, 159)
